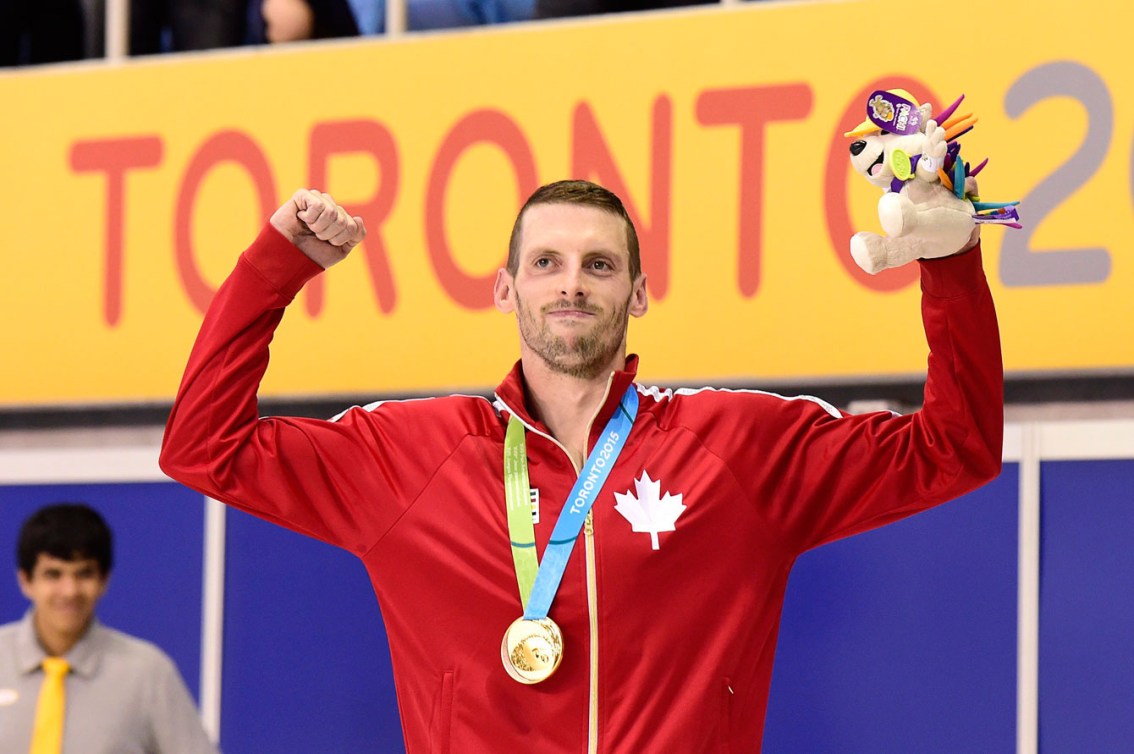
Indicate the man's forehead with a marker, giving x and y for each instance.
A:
(579, 222)
(79, 562)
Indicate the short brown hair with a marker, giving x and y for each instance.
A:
(577, 192)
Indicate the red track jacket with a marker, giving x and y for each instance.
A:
(667, 649)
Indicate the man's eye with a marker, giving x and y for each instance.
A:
(601, 264)
(542, 262)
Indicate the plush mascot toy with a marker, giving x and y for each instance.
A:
(930, 208)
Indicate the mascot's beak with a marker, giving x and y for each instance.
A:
(857, 147)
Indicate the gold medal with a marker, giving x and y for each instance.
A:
(532, 649)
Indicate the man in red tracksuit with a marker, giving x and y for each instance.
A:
(670, 600)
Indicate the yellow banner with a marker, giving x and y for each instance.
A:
(131, 190)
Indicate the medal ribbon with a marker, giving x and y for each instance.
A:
(539, 582)
(517, 493)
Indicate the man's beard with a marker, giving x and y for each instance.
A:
(586, 355)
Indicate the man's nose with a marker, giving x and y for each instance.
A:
(857, 147)
(574, 283)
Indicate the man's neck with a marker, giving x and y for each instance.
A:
(566, 404)
(57, 644)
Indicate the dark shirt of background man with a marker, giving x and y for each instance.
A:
(563, 8)
(40, 31)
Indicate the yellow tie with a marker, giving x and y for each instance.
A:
(47, 738)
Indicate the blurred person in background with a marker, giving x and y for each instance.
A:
(68, 684)
(296, 20)
(46, 31)
(429, 15)
(566, 8)
(185, 25)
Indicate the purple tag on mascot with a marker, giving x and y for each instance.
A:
(892, 113)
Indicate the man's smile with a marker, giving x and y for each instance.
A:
(570, 314)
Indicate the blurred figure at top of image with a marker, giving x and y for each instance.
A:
(296, 20)
(567, 8)
(184, 25)
(436, 15)
(47, 31)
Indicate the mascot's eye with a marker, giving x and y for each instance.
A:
(857, 147)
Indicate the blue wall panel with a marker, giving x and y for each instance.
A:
(897, 640)
(155, 586)
(904, 639)
(307, 663)
(1087, 607)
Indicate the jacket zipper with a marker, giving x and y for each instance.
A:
(592, 597)
(592, 610)
(592, 577)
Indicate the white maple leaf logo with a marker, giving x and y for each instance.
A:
(649, 511)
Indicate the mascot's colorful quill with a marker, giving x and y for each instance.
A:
(930, 208)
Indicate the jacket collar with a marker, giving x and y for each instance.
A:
(512, 395)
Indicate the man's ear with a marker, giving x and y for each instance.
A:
(24, 581)
(502, 291)
(639, 301)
